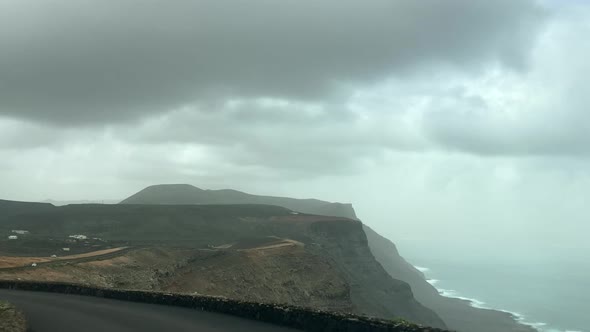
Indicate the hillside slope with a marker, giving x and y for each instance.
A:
(188, 194)
(9, 208)
(339, 240)
(458, 314)
(277, 273)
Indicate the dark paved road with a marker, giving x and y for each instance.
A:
(48, 312)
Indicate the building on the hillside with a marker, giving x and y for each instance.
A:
(20, 231)
(79, 237)
(34, 264)
(12, 237)
(65, 249)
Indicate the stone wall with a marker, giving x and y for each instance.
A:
(290, 316)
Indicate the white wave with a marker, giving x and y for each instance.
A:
(422, 269)
(432, 281)
(540, 326)
(520, 318)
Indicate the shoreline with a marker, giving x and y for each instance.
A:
(451, 293)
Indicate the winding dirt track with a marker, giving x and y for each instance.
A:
(8, 262)
(49, 312)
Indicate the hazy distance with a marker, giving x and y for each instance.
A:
(444, 130)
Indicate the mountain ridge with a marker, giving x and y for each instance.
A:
(189, 194)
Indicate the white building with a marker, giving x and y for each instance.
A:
(79, 237)
(12, 237)
(20, 231)
(34, 264)
(65, 249)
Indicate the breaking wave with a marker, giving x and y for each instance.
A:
(520, 318)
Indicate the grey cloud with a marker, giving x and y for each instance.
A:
(15, 135)
(542, 113)
(477, 136)
(298, 140)
(75, 62)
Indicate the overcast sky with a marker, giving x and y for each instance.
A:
(457, 118)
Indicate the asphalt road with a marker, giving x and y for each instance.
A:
(49, 312)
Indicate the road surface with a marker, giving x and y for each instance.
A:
(49, 312)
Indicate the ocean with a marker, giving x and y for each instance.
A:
(552, 295)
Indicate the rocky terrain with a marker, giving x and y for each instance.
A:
(227, 243)
(278, 272)
(322, 261)
(11, 319)
(457, 314)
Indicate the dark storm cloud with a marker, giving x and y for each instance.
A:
(74, 62)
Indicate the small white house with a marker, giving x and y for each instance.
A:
(53, 256)
(20, 231)
(12, 237)
(65, 249)
(34, 264)
(78, 237)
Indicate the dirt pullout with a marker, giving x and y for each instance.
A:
(261, 243)
(11, 319)
(15, 261)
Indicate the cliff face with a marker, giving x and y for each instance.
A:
(372, 291)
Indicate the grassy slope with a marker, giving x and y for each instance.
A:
(11, 320)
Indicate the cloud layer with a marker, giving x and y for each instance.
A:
(463, 117)
(89, 62)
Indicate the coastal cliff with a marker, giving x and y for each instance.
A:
(457, 314)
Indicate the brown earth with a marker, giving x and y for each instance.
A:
(271, 270)
(332, 246)
(11, 319)
(16, 261)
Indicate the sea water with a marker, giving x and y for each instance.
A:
(552, 294)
